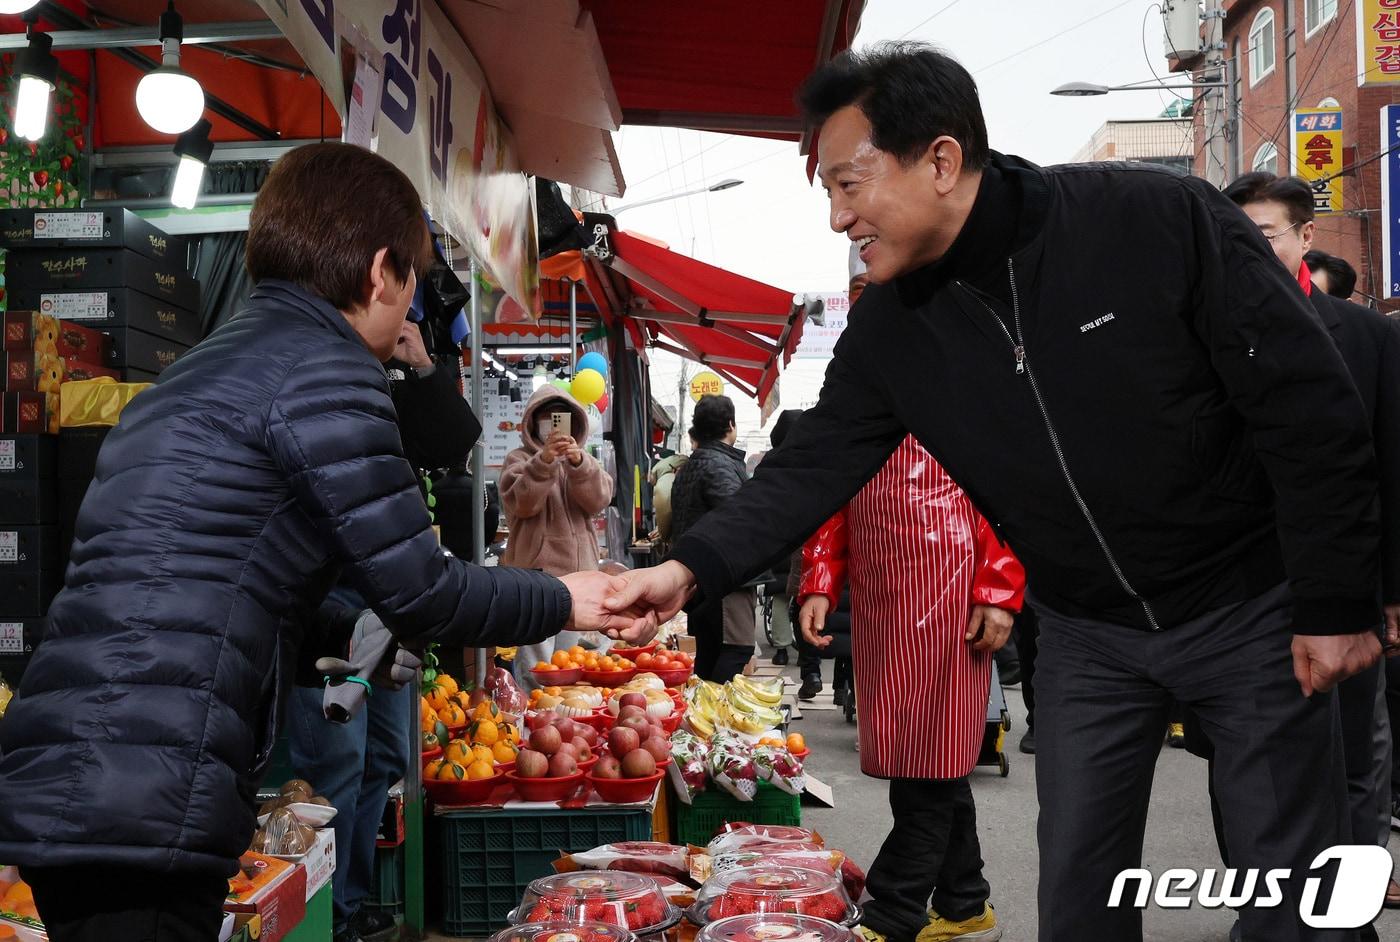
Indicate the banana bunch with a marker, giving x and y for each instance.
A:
(705, 702)
(750, 709)
(767, 692)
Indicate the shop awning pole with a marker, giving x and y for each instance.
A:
(573, 328)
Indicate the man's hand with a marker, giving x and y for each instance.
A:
(812, 620)
(989, 627)
(634, 624)
(557, 446)
(1392, 630)
(662, 589)
(1320, 662)
(409, 347)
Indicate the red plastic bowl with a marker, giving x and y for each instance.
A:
(545, 789)
(586, 765)
(462, 793)
(432, 754)
(609, 679)
(673, 722)
(626, 791)
(633, 653)
(456, 732)
(600, 719)
(676, 677)
(801, 756)
(557, 678)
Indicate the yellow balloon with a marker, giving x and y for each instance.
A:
(588, 387)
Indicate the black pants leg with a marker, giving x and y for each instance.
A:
(729, 663)
(1104, 692)
(809, 659)
(1026, 630)
(707, 627)
(1392, 702)
(101, 904)
(1356, 697)
(931, 851)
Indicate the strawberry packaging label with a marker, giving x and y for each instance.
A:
(79, 269)
(115, 228)
(115, 307)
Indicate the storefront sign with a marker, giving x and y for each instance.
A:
(436, 122)
(705, 384)
(1317, 155)
(818, 342)
(1378, 42)
(1390, 200)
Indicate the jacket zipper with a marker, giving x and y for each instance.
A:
(1023, 365)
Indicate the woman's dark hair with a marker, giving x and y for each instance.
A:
(1264, 187)
(1341, 277)
(310, 224)
(782, 428)
(713, 417)
(910, 93)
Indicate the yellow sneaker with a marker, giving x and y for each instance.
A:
(981, 928)
(868, 935)
(1176, 735)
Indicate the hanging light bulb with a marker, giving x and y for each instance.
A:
(170, 100)
(38, 71)
(194, 150)
(11, 7)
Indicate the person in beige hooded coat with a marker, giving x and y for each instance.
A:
(550, 491)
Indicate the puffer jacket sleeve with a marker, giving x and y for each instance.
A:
(824, 558)
(333, 430)
(999, 580)
(525, 484)
(590, 488)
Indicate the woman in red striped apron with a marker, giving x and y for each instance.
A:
(932, 595)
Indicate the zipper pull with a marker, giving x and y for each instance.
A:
(1020, 353)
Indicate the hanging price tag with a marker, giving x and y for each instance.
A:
(11, 637)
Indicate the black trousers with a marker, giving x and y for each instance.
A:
(1392, 702)
(1103, 693)
(102, 904)
(930, 852)
(1026, 631)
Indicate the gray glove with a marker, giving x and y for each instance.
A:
(374, 657)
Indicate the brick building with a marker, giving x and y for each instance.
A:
(1303, 54)
(1165, 141)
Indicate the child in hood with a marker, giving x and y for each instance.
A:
(550, 491)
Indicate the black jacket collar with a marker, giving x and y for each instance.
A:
(728, 451)
(315, 307)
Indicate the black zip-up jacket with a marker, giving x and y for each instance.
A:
(714, 473)
(1156, 421)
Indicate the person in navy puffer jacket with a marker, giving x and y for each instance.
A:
(231, 496)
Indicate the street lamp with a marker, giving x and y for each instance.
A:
(713, 188)
(1089, 89)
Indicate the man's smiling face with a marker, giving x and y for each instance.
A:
(895, 211)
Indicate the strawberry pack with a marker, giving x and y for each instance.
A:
(773, 927)
(627, 900)
(563, 932)
(773, 889)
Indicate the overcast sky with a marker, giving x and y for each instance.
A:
(775, 227)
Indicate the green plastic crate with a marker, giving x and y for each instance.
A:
(387, 887)
(697, 822)
(488, 859)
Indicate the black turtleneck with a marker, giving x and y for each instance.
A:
(978, 254)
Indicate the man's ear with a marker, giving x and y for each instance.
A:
(379, 275)
(944, 159)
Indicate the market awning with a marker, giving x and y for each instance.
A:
(740, 328)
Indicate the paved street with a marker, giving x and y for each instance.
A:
(1179, 832)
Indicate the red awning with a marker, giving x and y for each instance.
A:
(740, 328)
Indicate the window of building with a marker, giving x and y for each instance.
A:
(1261, 47)
(1317, 14)
(1266, 158)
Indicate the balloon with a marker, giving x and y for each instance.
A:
(560, 384)
(602, 402)
(594, 361)
(588, 387)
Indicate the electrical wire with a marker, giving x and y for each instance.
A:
(937, 13)
(1063, 32)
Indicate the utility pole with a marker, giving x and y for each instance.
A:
(1217, 123)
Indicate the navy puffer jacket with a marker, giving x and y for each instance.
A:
(225, 504)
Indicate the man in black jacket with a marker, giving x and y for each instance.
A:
(1194, 495)
(1283, 209)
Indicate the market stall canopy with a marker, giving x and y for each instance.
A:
(721, 65)
(740, 328)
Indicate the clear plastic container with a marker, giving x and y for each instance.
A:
(749, 834)
(563, 932)
(773, 927)
(629, 901)
(773, 889)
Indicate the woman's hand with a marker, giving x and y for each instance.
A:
(812, 619)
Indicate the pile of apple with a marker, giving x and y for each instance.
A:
(556, 746)
(637, 743)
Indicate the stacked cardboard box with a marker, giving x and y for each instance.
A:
(29, 558)
(108, 270)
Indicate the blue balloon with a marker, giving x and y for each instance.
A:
(594, 361)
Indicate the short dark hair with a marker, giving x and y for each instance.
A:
(1341, 277)
(911, 93)
(323, 213)
(713, 416)
(1262, 186)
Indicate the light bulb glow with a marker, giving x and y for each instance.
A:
(32, 108)
(189, 177)
(169, 100)
(11, 7)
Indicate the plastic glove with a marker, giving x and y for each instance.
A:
(374, 657)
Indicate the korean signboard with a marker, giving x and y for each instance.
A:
(818, 342)
(705, 384)
(1378, 42)
(1390, 199)
(435, 121)
(1317, 155)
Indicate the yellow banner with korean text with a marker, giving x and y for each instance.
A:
(1378, 42)
(1318, 157)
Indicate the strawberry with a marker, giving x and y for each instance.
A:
(41, 178)
(65, 162)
